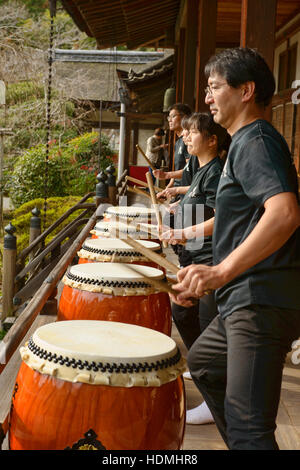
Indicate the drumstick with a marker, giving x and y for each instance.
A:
(155, 257)
(152, 255)
(163, 286)
(138, 191)
(141, 183)
(155, 203)
(145, 227)
(145, 157)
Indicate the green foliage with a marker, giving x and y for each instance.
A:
(23, 91)
(56, 207)
(34, 7)
(2, 334)
(71, 170)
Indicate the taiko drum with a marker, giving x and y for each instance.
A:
(92, 385)
(130, 213)
(115, 292)
(114, 250)
(113, 229)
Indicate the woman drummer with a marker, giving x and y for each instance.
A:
(205, 140)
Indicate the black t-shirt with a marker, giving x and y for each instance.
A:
(180, 156)
(189, 170)
(198, 205)
(258, 166)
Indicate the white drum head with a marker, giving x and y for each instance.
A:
(130, 211)
(114, 249)
(113, 278)
(100, 352)
(104, 226)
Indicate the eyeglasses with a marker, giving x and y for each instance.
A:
(169, 118)
(211, 90)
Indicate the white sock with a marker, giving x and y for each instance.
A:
(199, 415)
(187, 375)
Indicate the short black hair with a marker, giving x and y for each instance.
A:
(240, 65)
(159, 131)
(182, 109)
(205, 124)
(185, 122)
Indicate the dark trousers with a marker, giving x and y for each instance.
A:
(191, 322)
(237, 365)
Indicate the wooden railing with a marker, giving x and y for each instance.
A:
(20, 280)
(35, 303)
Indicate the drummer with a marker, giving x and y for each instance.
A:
(185, 174)
(205, 141)
(237, 362)
(177, 113)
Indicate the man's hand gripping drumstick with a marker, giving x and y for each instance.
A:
(161, 261)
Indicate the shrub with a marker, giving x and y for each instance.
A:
(71, 169)
(56, 207)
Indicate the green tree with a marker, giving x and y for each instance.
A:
(70, 170)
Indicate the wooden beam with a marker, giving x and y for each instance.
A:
(135, 127)
(180, 65)
(258, 31)
(207, 26)
(258, 24)
(188, 89)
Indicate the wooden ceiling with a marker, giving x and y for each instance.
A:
(139, 22)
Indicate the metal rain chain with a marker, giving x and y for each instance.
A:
(52, 6)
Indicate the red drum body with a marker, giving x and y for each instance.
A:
(114, 250)
(115, 292)
(80, 386)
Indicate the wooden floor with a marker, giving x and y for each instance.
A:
(207, 437)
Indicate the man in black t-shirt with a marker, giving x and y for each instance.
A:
(237, 362)
(176, 113)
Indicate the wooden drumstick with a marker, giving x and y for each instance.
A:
(163, 286)
(141, 183)
(145, 157)
(145, 227)
(138, 191)
(155, 257)
(155, 203)
(152, 255)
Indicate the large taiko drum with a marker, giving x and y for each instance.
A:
(113, 229)
(115, 292)
(114, 250)
(130, 213)
(88, 385)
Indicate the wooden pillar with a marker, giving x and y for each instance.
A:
(180, 65)
(9, 271)
(135, 128)
(207, 25)
(190, 51)
(127, 160)
(258, 22)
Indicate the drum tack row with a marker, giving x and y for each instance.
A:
(106, 374)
